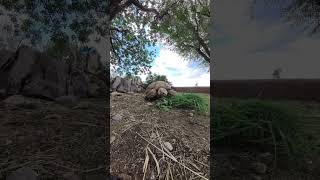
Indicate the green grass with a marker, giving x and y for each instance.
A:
(198, 102)
(275, 125)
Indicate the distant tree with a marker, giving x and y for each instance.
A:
(156, 77)
(276, 73)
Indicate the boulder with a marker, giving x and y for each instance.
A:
(131, 85)
(32, 73)
(48, 78)
(22, 67)
(78, 84)
(93, 64)
(116, 83)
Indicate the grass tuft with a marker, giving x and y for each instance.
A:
(184, 101)
(259, 123)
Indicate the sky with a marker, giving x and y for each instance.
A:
(178, 70)
(252, 48)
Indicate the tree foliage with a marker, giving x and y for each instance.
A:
(131, 24)
(185, 28)
(156, 77)
(303, 13)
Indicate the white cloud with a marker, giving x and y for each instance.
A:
(179, 71)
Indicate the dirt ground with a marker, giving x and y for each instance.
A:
(56, 141)
(140, 133)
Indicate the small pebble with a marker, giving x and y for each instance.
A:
(168, 146)
(112, 138)
(116, 117)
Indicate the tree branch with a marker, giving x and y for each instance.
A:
(204, 55)
(144, 8)
(126, 31)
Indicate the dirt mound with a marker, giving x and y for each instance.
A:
(142, 135)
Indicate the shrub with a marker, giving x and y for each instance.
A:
(186, 101)
(155, 77)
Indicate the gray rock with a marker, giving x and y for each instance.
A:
(78, 85)
(24, 173)
(22, 67)
(116, 118)
(48, 78)
(116, 94)
(116, 83)
(112, 138)
(93, 63)
(32, 73)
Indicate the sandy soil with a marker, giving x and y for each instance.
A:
(138, 127)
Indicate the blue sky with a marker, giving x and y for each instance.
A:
(178, 70)
(251, 48)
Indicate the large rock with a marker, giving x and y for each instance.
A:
(93, 64)
(22, 68)
(47, 78)
(32, 73)
(125, 85)
(116, 83)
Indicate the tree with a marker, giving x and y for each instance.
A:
(156, 77)
(124, 24)
(185, 28)
(80, 23)
(304, 13)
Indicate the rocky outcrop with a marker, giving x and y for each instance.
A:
(159, 89)
(120, 84)
(32, 73)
